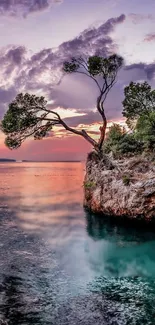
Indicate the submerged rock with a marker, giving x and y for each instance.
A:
(124, 188)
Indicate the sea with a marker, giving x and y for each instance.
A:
(60, 264)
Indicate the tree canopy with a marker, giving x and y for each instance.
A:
(29, 115)
(145, 130)
(139, 100)
(139, 110)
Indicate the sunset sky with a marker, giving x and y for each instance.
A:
(37, 35)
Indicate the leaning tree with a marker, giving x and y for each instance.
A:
(29, 115)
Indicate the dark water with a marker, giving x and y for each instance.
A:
(61, 265)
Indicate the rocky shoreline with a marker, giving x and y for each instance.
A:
(124, 188)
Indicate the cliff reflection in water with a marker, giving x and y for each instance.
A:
(120, 251)
(60, 265)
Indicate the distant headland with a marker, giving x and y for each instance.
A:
(14, 160)
(7, 160)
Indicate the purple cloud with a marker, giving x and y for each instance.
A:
(16, 55)
(138, 18)
(89, 118)
(41, 72)
(147, 69)
(12, 55)
(93, 40)
(149, 37)
(24, 7)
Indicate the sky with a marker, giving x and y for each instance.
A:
(38, 35)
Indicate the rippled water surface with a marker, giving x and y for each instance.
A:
(61, 265)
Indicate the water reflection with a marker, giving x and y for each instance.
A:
(123, 260)
(119, 251)
(43, 193)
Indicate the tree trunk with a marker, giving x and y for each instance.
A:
(83, 133)
(97, 145)
(102, 136)
(102, 128)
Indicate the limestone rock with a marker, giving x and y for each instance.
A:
(121, 188)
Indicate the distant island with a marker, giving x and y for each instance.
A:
(7, 160)
(14, 160)
(52, 161)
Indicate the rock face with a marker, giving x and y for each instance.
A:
(125, 188)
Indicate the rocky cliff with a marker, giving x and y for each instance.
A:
(123, 188)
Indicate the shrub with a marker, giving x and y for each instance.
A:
(121, 143)
(89, 184)
(114, 136)
(129, 144)
(126, 180)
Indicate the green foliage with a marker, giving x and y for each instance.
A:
(88, 185)
(72, 66)
(23, 119)
(139, 100)
(95, 66)
(145, 130)
(115, 134)
(126, 180)
(104, 66)
(129, 144)
(121, 143)
(113, 138)
(12, 143)
(139, 110)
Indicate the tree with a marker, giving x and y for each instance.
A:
(29, 115)
(145, 130)
(139, 100)
(103, 71)
(114, 136)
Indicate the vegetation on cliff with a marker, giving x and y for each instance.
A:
(139, 110)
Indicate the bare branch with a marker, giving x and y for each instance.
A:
(88, 75)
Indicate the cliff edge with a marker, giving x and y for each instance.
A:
(121, 188)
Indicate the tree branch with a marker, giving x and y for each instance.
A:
(41, 108)
(87, 70)
(88, 75)
(83, 133)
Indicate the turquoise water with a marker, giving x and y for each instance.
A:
(62, 265)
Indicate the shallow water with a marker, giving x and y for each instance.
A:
(61, 265)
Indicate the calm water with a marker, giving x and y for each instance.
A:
(61, 265)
